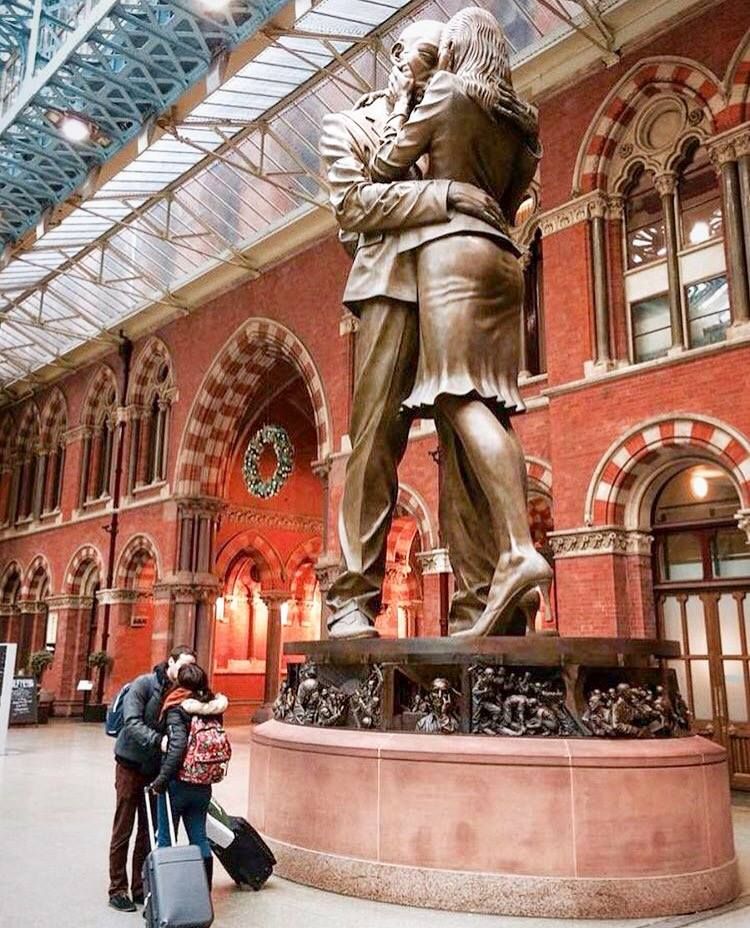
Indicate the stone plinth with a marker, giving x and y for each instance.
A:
(558, 827)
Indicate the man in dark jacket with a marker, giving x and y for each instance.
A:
(137, 761)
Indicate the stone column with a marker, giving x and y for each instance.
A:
(724, 156)
(598, 231)
(273, 600)
(322, 470)
(161, 631)
(134, 438)
(83, 485)
(161, 426)
(327, 568)
(436, 572)
(666, 185)
(40, 482)
(742, 147)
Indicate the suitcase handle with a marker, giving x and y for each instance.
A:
(149, 815)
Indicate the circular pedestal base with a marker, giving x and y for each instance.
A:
(544, 827)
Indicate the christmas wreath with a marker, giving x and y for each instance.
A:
(277, 438)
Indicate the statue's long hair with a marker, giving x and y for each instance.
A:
(481, 62)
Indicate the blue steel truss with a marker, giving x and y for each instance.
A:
(118, 63)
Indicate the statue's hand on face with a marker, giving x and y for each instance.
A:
(400, 85)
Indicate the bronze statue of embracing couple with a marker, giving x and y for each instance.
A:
(425, 179)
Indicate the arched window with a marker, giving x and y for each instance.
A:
(150, 401)
(100, 418)
(24, 500)
(676, 282)
(54, 427)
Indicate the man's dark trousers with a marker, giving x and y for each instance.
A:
(130, 804)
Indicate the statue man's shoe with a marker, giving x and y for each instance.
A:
(352, 624)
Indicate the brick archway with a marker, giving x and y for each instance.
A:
(150, 359)
(539, 473)
(415, 505)
(138, 551)
(84, 562)
(54, 419)
(34, 578)
(223, 395)
(258, 549)
(648, 78)
(636, 454)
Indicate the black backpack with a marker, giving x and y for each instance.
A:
(115, 715)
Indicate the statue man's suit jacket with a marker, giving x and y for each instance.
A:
(372, 210)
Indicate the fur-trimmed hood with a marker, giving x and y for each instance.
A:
(216, 706)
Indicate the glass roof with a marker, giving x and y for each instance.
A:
(241, 164)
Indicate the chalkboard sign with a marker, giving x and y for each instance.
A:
(23, 704)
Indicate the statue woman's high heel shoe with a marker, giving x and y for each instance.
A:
(532, 573)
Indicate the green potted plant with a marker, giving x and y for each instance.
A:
(100, 662)
(39, 661)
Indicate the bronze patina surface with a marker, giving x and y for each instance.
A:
(514, 686)
(426, 179)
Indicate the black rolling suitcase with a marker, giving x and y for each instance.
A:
(174, 883)
(243, 853)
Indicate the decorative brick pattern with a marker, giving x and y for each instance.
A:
(8, 434)
(54, 420)
(143, 378)
(223, 397)
(540, 475)
(83, 563)
(634, 456)
(139, 550)
(738, 85)
(27, 438)
(307, 552)
(38, 579)
(10, 581)
(97, 403)
(647, 79)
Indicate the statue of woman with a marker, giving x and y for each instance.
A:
(473, 128)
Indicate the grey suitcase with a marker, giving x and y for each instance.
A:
(174, 883)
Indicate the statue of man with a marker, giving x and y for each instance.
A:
(382, 292)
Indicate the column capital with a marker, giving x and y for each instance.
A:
(275, 597)
(200, 505)
(322, 468)
(327, 569)
(31, 606)
(436, 561)
(607, 539)
(68, 601)
(186, 590)
(666, 183)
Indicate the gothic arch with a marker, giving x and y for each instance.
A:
(144, 380)
(138, 551)
(631, 462)
(221, 399)
(7, 442)
(415, 505)
(102, 396)
(261, 551)
(54, 421)
(648, 78)
(737, 84)
(29, 428)
(11, 582)
(85, 563)
(309, 550)
(37, 573)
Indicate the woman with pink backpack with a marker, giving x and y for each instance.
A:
(196, 754)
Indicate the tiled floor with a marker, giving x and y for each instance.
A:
(55, 810)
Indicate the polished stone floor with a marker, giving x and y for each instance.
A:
(56, 792)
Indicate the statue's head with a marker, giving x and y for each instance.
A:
(473, 44)
(417, 49)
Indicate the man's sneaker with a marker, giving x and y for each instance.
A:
(138, 898)
(122, 903)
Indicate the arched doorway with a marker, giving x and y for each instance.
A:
(702, 590)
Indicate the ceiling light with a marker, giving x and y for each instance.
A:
(699, 486)
(75, 129)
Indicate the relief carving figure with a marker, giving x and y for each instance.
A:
(367, 700)
(507, 703)
(437, 709)
(382, 292)
(442, 243)
(627, 711)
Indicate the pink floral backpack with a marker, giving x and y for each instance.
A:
(208, 752)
